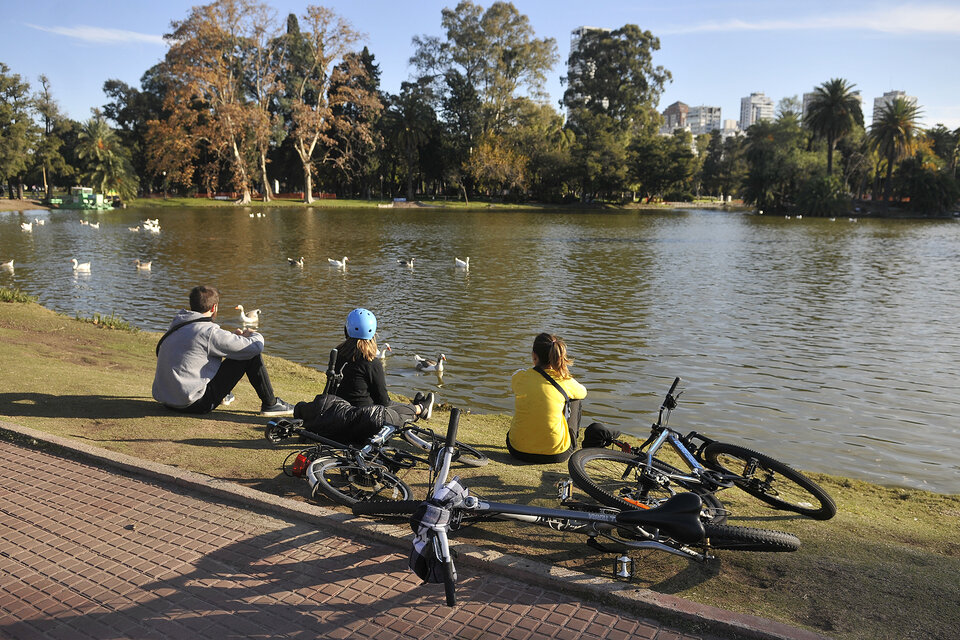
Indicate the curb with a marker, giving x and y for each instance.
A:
(704, 618)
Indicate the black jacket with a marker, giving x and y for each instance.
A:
(364, 383)
(335, 418)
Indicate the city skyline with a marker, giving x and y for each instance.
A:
(717, 52)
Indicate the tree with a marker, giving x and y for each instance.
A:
(411, 121)
(611, 73)
(106, 164)
(311, 55)
(209, 52)
(662, 165)
(17, 131)
(892, 134)
(777, 163)
(494, 52)
(47, 154)
(832, 114)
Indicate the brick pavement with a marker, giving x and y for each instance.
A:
(87, 552)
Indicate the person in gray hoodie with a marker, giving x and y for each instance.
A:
(199, 364)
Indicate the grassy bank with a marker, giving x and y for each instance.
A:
(885, 567)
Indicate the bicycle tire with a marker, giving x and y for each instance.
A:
(611, 478)
(386, 507)
(465, 454)
(347, 483)
(773, 482)
(749, 539)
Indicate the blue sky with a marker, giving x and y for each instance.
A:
(718, 51)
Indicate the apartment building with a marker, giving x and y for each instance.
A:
(754, 108)
(887, 98)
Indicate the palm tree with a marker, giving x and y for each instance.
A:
(832, 114)
(891, 135)
(106, 163)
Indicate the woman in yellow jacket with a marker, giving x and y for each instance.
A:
(539, 432)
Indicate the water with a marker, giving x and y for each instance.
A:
(829, 345)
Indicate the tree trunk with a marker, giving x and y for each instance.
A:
(263, 176)
(307, 183)
(46, 187)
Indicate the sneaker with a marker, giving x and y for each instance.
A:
(278, 408)
(418, 398)
(427, 404)
(227, 399)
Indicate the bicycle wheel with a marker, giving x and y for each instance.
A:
(749, 539)
(386, 507)
(347, 483)
(770, 480)
(618, 479)
(465, 454)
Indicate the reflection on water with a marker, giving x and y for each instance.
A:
(830, 345)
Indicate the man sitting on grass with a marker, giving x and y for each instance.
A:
(199, 364)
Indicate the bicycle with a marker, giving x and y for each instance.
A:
(633, 477)
(675, 526)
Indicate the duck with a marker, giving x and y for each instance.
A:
(94, 225)
(339, 264)
(84, 222)
(134, 229)
(295, 263)
(143, 266)
(39, 221)
(405, 262)
(382, 353)
(7, 265)
(26, 226)
(251, 319)
(82, 267)
(463, 264)
(430, 365)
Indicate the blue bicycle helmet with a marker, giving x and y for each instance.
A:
(361, 324)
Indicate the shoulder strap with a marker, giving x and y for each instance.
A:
(179, 326)
(546, 375)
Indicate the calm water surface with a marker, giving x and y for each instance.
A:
(829, 345)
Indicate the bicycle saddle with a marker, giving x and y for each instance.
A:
(679, 517)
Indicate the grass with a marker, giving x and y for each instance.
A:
(179, 202)
(884, 567)
(112, 321)
(15, 295)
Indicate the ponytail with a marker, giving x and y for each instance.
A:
(551, 353)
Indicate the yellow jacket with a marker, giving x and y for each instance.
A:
(538, 424)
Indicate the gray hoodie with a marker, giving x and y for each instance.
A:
(191, 356)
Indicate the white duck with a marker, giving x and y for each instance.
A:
(39, 221)
(405, 262)
(463, 264)
(7, 265)
(251, 319)
(143, 266)
(295, 263)
(82, 267)
(134, 229)
(26, 226)
(382, 353)
(94, 225)
(339, 264)
(430, 365)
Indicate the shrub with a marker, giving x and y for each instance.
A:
(15, 295)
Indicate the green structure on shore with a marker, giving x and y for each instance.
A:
(81, 198)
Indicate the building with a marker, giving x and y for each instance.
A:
(754, 108)
(703, 119)
(730, 128)
(674, 117)
(887, 98)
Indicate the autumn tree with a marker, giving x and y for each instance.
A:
(315, 88)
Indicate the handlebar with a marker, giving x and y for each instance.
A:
(670, 400)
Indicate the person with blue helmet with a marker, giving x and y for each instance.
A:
(363, 380)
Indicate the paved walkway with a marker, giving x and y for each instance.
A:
(87, 552)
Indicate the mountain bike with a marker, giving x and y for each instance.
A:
(633, 477)
(675, 526)
(349, 474)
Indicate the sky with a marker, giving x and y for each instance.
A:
(718, 51)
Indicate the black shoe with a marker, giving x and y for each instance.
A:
(418, 398)
(427, 404)
(278, 408)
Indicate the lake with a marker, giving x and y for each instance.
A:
(831, 345)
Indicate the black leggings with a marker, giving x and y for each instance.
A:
(227, 377)
(397, 414)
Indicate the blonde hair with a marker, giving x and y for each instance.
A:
(353, 349)
(551, 353)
